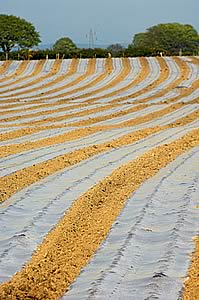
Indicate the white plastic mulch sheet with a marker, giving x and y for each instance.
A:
(27, 216)
(18, 161)
(146, 253)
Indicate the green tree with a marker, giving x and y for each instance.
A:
(64, 44)
(173, 37)
(16, 32)
(115, 48)
(140, 40)
(170, 38)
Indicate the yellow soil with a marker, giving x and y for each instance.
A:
(54, 69)
(58, 260)
(90, 71)
(19, 71)
(69, 115)
(195, 60)
(71, 71)
(17, 148)
(184, 73)
(191, 284)
(4, 67)
(144, 72)
(126, 69)
(164, 75)
(36, 71)
(12, 183)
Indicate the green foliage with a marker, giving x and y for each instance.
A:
(92, 53)
(16, 32)
(51, 54)
(137, 51)
(169, 38)
(140, 40)
(116, 49)
(64, 44)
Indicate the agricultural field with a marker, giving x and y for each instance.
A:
(99, 178)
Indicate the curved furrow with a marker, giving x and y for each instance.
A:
(154, 89)
(61, 71)
(173, 73)
(105, 72)
(26, 131)
(94, 71)
(29, 69)
(16, 162)
(107, 76)
(132, 117)
(4, 66)
(75, 75)
(71, 67)
(18, 180)
(12, 70)
(158, 72)
(177, 91)
(194, 74)
(103, 68)
(123, 69)
(188, 87)
(146, 68)
(20, 69)
(37, 110)
(63, 118)
(124, 88)
(195, 60)
(57, 262)
(29, 76)
(10, 184)
(125, 118)
(50, 67)
(152, 118)
(47, 71)
(29, 131)
(79, 72)
(2, 117)
(44, 111)
(29, 107)
(62, 113)
(179, 70)
(152, 233)
(34, 77)
(79, 178)
(74, 107)
(5, 69)
(13, 138)
(77, 138)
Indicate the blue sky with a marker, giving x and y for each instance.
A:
(112, 20)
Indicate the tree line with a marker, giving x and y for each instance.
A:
(18, 38)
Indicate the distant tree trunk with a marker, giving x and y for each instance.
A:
(7, 55)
